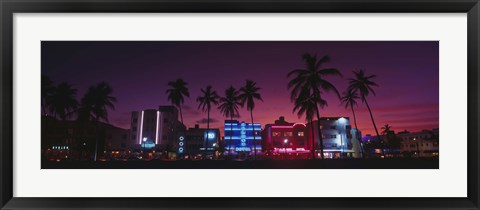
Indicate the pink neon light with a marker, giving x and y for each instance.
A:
(288, 126)
(282, 126)
(299, 124)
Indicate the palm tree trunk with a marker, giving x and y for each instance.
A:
(254, 143)
(181, 115)
(374, 125)
(313, 139)
(205, 142)
(317, 95)
(96, 143)
(356, 131)
(44, 109)
(183, 125)
(319, 133)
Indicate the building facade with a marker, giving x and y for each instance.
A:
(285, 137)
(81, 140)
(419, 144)
(239, 137)
(156, 127)
(194, 142)
(339, 139)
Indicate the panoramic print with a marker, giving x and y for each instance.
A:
(239, 104)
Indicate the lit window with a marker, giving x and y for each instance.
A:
(301, 134)
(276, 133)
(289, 133)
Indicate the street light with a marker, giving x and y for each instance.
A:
(285, 146)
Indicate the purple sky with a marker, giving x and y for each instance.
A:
(407, 74)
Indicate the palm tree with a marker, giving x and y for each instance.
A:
(94, 107)
(386, 129)
(47, 91)
(306, 104)
(62, 104)
(364, 86)
(229, 107)
(350, 98)
(313, 78)
(176, 93)
(62, 101)
(248, 94)
(205, 101)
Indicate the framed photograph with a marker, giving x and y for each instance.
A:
(239, 105)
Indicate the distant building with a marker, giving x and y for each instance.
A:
(194, 141)
(79, 140)
(419, 144)
(116, 139)
(151, 127)
(238, 137)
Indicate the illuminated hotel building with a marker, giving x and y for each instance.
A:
(152, 127)
(239, 137)
(195, 140)
(285, 137)
(339, 139)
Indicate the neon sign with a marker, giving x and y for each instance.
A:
(148, 144)
(59, 147)
(239, 136)
(243, 135)
(242, 149)
(210, 135)
(181, 144)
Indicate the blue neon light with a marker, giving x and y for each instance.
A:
(148, 144)
(240, 136)
(211, 135)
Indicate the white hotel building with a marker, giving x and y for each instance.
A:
(152, 127)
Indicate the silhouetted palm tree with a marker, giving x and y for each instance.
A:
(350, 98)
(305, 104)
(94, 107)
(229, 107)
(386, 129)
(208, 98)
(63, 102)
(364, 86)
(46, 93)
(176, 93)
(388, 136)
(248, 95)
(313, 78)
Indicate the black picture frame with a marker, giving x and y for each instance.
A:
(9, 7)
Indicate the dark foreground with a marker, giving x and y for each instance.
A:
(391, 163)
